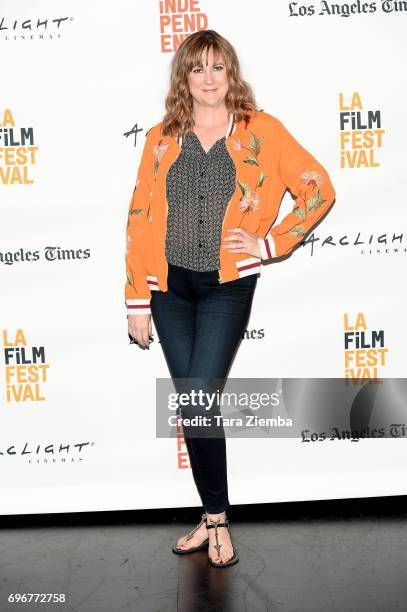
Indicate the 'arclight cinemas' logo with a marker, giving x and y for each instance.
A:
(37, 28)
(55, 452)
(388, 243)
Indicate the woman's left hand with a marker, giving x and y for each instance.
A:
(241, 241)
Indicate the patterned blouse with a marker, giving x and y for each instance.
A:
(199, 186)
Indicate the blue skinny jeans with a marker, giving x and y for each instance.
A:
(200, 324)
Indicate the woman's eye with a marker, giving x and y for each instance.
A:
(217, 68)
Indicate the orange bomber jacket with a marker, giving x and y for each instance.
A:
(268, 161)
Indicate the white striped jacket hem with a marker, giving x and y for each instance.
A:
(251, 265)
(245, 267)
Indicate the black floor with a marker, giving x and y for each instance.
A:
(310, 556)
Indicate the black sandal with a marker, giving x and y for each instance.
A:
(215, 525)
(184, 551)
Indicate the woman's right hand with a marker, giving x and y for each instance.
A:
(140, 327)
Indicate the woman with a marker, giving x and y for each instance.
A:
(208, 190)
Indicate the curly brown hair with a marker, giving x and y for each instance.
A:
(178, 103)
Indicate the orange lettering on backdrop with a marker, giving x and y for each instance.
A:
(27, 373)
(360, 322)
(356, 102)
(18, 339)
(182, 453)
(178, 20)
(13, 176)
(366, 357)
(24, 393)
(180, 442)
(360, 375)
(183, 461)
(359, 139)
(359, 160)
(7, 118)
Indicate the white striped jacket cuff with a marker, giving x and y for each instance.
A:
(267, 247)
(142, 306)
(138, 307)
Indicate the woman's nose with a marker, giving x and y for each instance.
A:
(209, 78)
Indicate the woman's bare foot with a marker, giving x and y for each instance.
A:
(200, 535)
(225, 552)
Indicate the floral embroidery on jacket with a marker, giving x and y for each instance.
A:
(159, 149)
(250, 200)
(311, 178)
(254, 148)
(138, 211)
(129, 278)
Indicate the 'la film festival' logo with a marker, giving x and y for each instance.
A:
(361, 133)
(18, 152)
(365, 351)
(25, 370)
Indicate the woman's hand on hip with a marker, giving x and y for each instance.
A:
(241, 241)
(140, 327)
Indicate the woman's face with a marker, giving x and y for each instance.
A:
(208, 85)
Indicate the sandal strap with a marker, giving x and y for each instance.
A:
(217, 525)
(201, 522)
(214, 525)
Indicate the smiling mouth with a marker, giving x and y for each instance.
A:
(209, 90)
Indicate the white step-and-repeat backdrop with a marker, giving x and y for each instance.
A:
(81, 83)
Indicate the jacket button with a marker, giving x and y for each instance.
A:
(201, 197)
(200, 221)
(200, 244)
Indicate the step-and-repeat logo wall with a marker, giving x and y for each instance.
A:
(79, 93)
